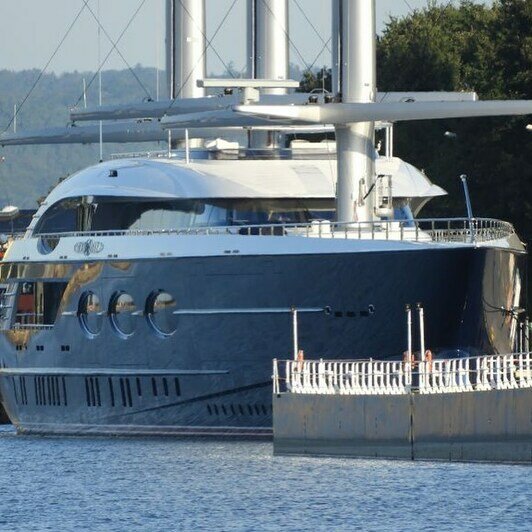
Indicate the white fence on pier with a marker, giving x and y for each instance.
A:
(495, 372)
(372, 377)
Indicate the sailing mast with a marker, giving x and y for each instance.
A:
(185, 47)
(354, 53)
(267, 52)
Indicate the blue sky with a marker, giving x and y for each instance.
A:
(31, 29)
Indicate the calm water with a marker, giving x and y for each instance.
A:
(165, 484)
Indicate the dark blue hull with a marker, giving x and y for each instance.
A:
(214, 374)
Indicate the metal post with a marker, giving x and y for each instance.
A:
(527, 342)
(421, 331)
(84, 93)
(187, 148)
(295, 332)
(463, 178)
(275, 377)
(409, 331)
(15, 118)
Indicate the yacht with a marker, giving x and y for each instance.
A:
(149, 294)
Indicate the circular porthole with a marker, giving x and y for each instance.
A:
(90, 313)
(121, 312)
(160, 312)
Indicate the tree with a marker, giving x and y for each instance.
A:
(467, 47)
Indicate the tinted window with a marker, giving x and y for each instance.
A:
(107, 213)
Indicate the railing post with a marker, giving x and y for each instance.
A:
(527, 335)
(421, 331)
(409, 331)
(275, 377)
(295, 332)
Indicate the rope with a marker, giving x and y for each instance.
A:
(41, 73)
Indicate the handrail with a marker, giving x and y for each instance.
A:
(425, 229)
(373, 377)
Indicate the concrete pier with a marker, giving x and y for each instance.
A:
(389, 420)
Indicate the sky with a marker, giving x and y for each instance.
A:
(30, 30)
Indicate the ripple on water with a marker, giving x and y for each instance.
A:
(157, 484)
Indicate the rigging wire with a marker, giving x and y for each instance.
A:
(130, 21)
(41, 73)
(208, 43)
(296, 49)
(326, 44)
(320, 52)
(115, 47)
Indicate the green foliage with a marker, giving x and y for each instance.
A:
(467, 47)
(29, 171)
(318, 80)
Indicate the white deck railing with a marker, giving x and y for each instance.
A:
(371, 377)
(495, 372)
(421, 230)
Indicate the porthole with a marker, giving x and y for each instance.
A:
(90, 313)
(160, 313)
(122, 312)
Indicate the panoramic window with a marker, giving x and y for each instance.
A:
(109, 213)
(159, 311)
(121, 311)
(90, 313)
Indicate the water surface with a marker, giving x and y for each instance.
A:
(172, 484)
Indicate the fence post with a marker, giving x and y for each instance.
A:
(275, 377)
(295, 332)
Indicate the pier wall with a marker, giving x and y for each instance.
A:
(491, 425)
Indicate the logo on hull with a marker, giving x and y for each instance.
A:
(89, 247)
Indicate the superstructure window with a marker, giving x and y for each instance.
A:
(109, 213)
